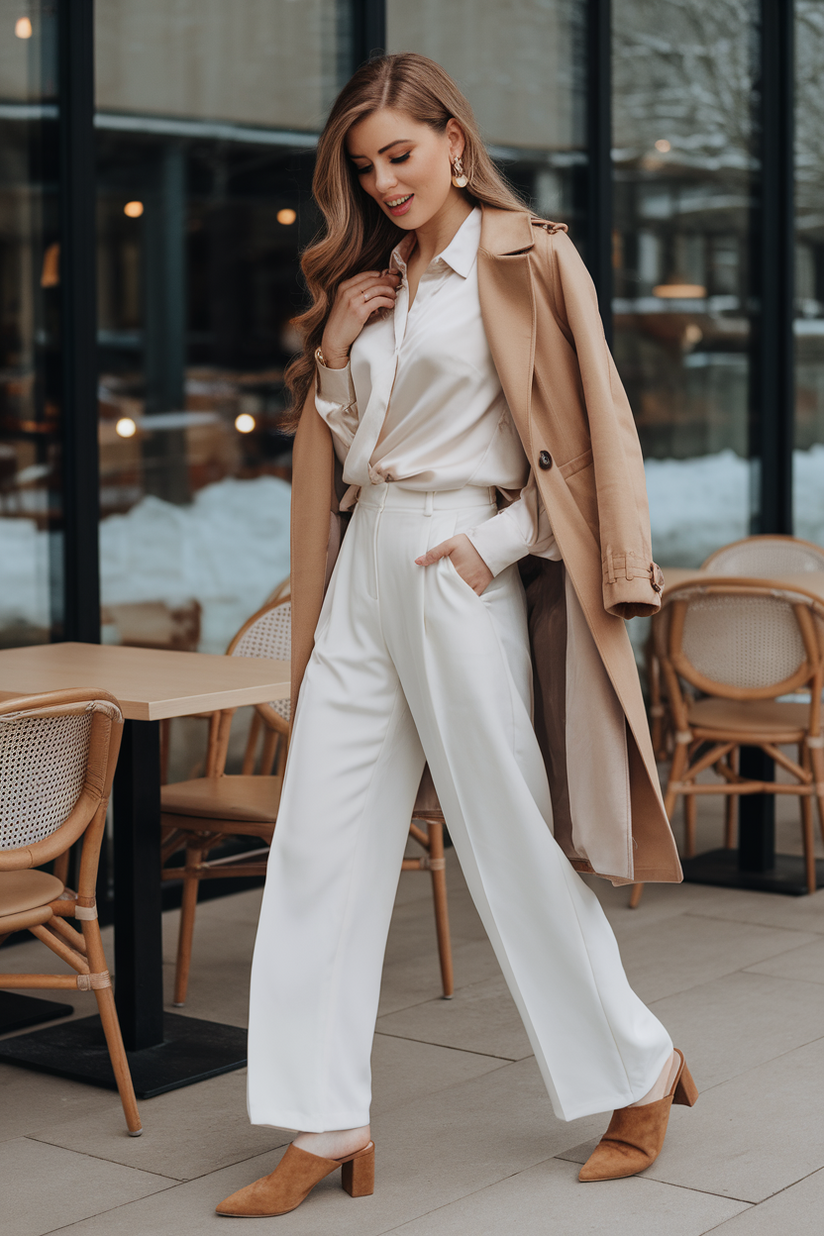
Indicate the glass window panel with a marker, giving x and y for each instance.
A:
(30, 497)
(808, 486)
(683, 158)
(206, 120)
(275, 63)
(522, 65)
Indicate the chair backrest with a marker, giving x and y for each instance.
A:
(766, 557)
(57, 758)
(744, 641)
(268, 633)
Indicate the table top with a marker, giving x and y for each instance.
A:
(807, 581)
(149, 683)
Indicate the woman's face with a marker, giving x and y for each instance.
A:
(404, 165)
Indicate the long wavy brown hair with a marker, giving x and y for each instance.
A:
(358, 235)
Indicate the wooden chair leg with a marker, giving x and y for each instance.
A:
(635, 896)
(185, 936)
(283, 750)
(807, 835)
(267, 759)
(817, 763)
(679, 763)
(438, 869)
(251, 745)
(690, 818)
(111, 1029)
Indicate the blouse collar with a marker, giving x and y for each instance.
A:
(460, 254)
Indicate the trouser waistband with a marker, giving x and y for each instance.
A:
(398, 496)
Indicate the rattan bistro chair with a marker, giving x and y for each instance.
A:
(199, 815)
(57, 758)
(765, 556)
(743, 644)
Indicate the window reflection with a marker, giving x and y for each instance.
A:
(207, 117)
(30, 498)
(683, 162)
(808, 487)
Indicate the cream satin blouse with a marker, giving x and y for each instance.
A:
(420, 403)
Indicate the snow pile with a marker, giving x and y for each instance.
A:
(228, 550)
(24, 574)
(808, 494)
(697, 505)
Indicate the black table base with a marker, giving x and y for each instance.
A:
(17, 1012)
(191, 1051)
(785, 874)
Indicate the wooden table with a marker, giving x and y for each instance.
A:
(165, 1050)
(755, 864)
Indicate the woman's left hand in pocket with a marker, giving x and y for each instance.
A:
(465, 558)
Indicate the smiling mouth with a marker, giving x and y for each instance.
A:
(400, 201)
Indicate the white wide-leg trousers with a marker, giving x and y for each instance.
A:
(411, 665)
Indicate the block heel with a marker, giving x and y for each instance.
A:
(358, 1173)
(686, 1091)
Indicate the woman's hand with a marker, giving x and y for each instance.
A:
(465, 558)
(355, 302)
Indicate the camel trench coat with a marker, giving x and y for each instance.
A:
(540, 313)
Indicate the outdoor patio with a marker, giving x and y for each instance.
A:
(466, 1139)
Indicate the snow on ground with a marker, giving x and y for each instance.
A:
(230, 547)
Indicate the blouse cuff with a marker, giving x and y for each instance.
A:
(498, 542)
(335, 385)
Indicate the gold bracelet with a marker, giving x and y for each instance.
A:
(319, 358)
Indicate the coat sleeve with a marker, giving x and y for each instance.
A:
(632, 582)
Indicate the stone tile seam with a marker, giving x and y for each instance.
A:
(769, 1198)
(760, 1065)
(174, 1181)
(765, 974)
(451, 1047)
(743, 922)
(88, 1154)
(746, 1202)
(416, 1004)
(521, 1171)
(107, 1210)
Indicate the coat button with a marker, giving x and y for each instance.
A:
(545, 460)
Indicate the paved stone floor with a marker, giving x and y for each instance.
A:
(467, 1142)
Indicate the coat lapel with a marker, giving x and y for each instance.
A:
(508, 306)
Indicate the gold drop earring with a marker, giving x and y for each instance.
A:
(459, 177)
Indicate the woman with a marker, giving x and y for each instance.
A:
(454, 340)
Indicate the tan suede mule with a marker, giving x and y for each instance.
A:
(635, 1135)
(293, 1180)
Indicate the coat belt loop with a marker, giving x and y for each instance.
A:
(610, 567)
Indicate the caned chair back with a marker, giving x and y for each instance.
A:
(57, 758)
(268, 633)
(766, 557)
(744, 640)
